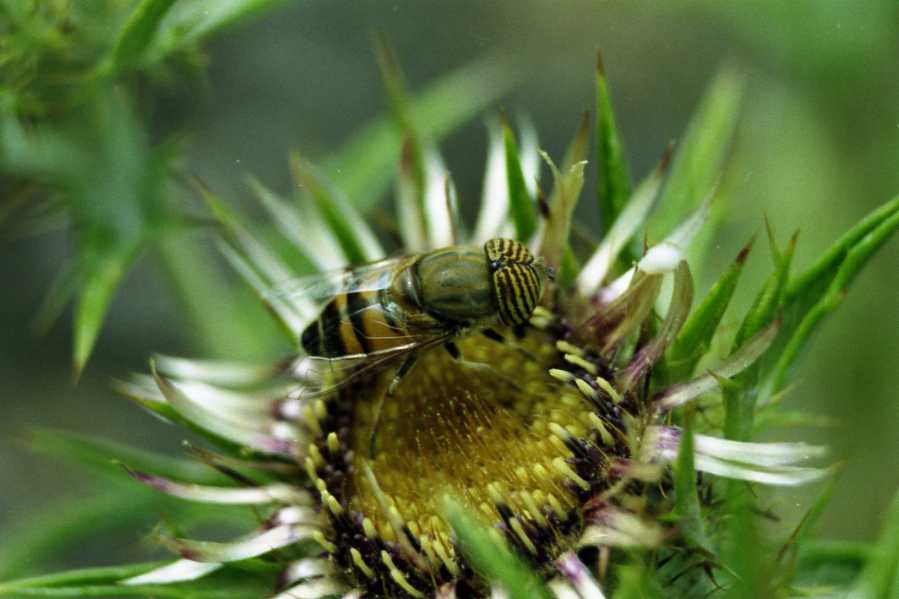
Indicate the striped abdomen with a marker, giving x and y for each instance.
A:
(356, 322)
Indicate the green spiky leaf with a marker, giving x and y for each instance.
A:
(137, 33)
(808, 288)
(522, 210)
(740, 408)
(880, 578)
(768, 300)
(686, 504)
(788, 554)
(191, 21)
(820, 291)
(613, 183)
(334, 209)
(81, 577)
(248, 582)
(491, 557)
(567, 184)
(114, 216)
(740, 405)
(107, 456)
(568, 181)
(694, 339)
(103, 277)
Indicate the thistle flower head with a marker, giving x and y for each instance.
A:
(555, 435)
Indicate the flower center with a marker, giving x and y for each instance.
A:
(493, 429)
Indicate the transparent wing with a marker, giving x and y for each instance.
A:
(317, 375)
(323, 286)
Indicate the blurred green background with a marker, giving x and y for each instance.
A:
(817, 148)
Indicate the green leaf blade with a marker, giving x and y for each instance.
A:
(138, 33)
(808, 287)
(686, 505)
(879, 578)
(94, 298)
(491, 558)
(331, 209)
(555, 246)
(522, 211)
(191, 21)
(248, 580)
(105, 456)
(801, 332)
(107, 574)
(768, 300)
(613, 185)
(696, 336)
(740, 407)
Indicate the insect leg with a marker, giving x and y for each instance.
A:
(391, 389)
(453, 350)
(493, 335)
(499, 338)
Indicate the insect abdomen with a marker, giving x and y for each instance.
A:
(353, 323)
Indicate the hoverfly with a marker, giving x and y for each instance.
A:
(383, 314)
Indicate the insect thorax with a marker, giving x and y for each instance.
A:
(453, 285)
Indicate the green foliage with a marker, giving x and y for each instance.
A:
(107, 457)
(104, 582)
(613, 181)
(695, 338)
(686, 500)
(190, 22)
(96, 158)
(880, 577)
(137, 34)
(568, 181)
(801, 304)
(112, 504)
(491, 557)
(788, 555)
(740, 407)
(330, 205)
(637, 581)
(821, 289)
(522, 210)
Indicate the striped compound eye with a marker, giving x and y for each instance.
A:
(517, 280)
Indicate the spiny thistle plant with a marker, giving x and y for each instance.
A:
(603, 448)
